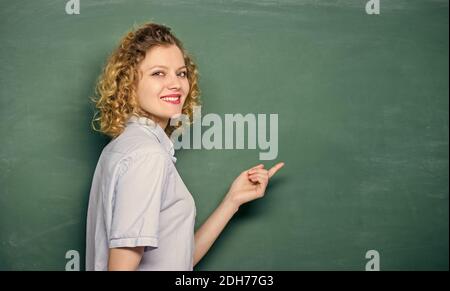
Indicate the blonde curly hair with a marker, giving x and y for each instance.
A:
(116, 98)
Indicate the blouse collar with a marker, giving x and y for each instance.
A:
(157, 131)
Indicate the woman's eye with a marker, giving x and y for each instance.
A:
(159, 73)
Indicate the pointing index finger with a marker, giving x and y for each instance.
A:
(275, 168)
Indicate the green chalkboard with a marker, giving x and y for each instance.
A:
(362, 105)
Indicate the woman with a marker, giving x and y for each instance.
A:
(141, 215)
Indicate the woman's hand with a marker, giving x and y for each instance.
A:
(251, 184)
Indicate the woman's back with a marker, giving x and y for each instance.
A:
(137, 198)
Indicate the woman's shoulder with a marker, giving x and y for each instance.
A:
(134, 142)
(121, 154)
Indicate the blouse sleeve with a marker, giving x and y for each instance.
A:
(137, 202)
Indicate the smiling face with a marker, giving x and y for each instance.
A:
(163, 85)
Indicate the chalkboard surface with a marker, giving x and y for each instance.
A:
(362, 105)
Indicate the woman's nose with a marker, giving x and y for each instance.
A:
(174, 82)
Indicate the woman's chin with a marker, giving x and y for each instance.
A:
(176, 115)
(173, 114)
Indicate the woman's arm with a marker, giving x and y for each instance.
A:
(125, 259)
(249, 185)
(213, 226)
